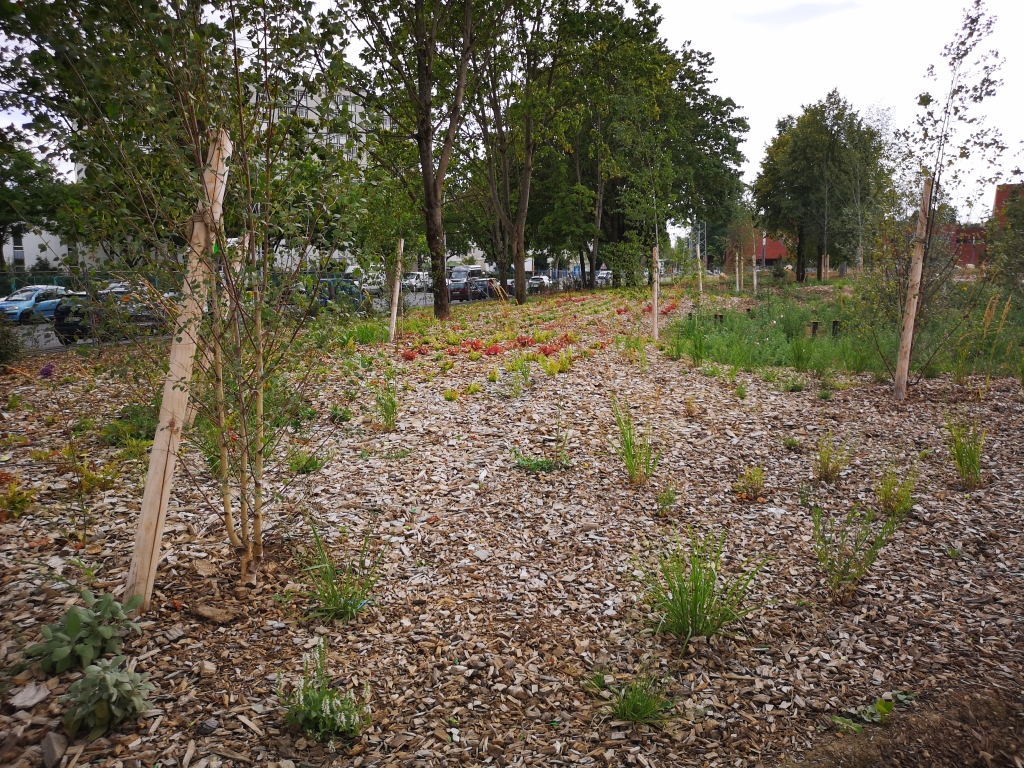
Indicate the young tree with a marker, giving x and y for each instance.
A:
(30, 191)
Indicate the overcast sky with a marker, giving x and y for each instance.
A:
(773, 56)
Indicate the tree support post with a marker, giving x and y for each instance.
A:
(396, 291)
(657, 285)
(753, 262)
(913, 294)
(174, 403)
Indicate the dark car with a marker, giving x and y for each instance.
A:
(342, 293)
(458, 290)
(116, 312)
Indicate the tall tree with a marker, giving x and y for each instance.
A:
(418, 55)
(30, 190)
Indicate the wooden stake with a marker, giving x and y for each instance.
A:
(913, 294)
(396, 292)
(657, 282)
(174, 404)
(700, 269)
(753, 262)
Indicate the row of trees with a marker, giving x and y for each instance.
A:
(566, 128)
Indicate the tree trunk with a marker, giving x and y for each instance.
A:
(801, 265)
(584, 282)
(435, 244)
(821, 258)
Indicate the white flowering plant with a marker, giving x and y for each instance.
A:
(324, 712)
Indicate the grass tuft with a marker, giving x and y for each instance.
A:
(966, 440)
(686, 590)
(847, 548)
(634, 449)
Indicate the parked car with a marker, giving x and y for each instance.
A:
(603, 278)
(467, 273)
(538, 283)
(416, 281)
(32, 303)
(117, 311)
(342, 293)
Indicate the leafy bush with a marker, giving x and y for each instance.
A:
(635, 450)
(135, 422)
(831, 459)
(306, 463)
(896, 496)
(320, 709)
(750, 484)
(473, 387)
(339, 414)
(11, 348)
(666, 499)
(555, 365)
(689, 595)
(641, 701)
(848, 547)
(340, 590)
(85, 634)
(105, 696)
(966, 440)
(14, 501)
(537, 464)
(451, 395)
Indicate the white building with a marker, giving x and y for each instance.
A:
(24, 250)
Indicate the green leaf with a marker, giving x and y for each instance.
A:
(105, 632)
(61, 653)
(134, 603)
(846, 725)
(73, 625)
(86, 653)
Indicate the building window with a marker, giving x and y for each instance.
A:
(19, 250)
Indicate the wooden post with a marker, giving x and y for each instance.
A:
(657, 283)
(396, 292)
(174, 404)
(753, 261)
(700, 269)
(913, 294)
(736, 260)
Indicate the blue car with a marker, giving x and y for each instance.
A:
(32, 303)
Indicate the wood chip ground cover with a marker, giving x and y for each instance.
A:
(505, 590)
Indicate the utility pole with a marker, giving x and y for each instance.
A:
(913, 294)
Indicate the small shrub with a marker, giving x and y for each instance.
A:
(104, 696)
(473, 388)
(741, 391)
(793, 384)
(85, 634)
(896, 496)
(750, 485)
(136, 450)
(306, 463)
(824, 394)
(340, 590)
(966, 440)
(136, 421)
(689, 595)
(83, 426)
(492, 376)
(339, 414)
(691, 407)
(555, 365)
(322, 711)
(791, 443)
(635, 450)
(666, 499)
(641, 701)
(847, 548)
(451, 395)
(14, 501)
(385, 398)
(11, 348)
(536, 464)
(831, 459)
